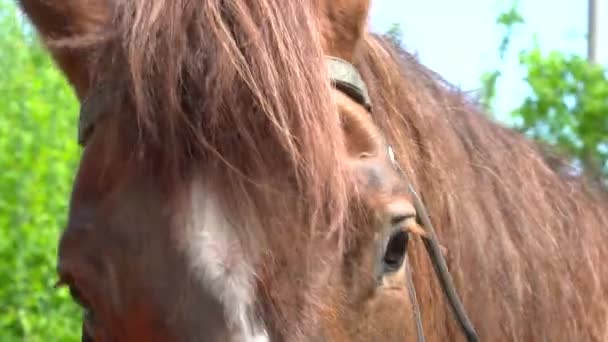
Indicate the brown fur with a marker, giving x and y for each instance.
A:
(238, 91)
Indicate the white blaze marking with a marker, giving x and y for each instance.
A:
(217, 258)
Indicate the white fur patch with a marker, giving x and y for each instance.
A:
(217, 258)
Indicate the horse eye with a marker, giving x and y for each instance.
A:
(395, 251)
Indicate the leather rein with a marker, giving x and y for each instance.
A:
(346, 78)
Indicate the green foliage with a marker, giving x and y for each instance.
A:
(39, 153)
(395, 34)
(568, 106)
(509, 20)
(568, 102)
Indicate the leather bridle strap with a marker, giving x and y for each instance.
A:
(437, 260)
(347, 79)
(343, 75)
(441, 269)
(411, 288)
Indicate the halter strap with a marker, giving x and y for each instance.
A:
(343, 75)
(346, 78)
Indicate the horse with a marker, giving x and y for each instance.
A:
(247, 173)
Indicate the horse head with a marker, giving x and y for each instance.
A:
(247, 173)
(201, 213)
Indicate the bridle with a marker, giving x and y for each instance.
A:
(346, 78)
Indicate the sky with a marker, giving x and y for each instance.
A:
(460, 39)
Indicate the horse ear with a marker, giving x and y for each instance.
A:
(343, 25)
(61, 19)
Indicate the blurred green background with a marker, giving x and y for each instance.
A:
(566, 106)
(39, 153)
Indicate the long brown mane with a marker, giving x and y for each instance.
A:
(525, 244)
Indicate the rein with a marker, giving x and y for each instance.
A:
(346, 78)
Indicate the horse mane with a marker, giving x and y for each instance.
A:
(525, 243)
(238, 88)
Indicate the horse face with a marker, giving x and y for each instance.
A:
(140, 275)
(123, 262)
(371, 290)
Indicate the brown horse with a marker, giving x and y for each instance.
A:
(228, 192)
